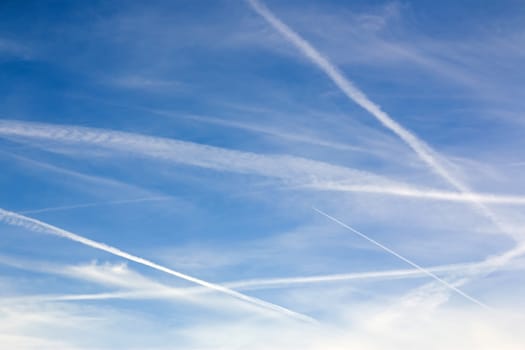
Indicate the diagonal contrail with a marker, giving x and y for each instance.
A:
(408, 261)
(39, 226)
(353, 92)
(423, 150)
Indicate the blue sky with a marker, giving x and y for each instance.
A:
(162, 163)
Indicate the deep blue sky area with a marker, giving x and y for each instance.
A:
(246, 174)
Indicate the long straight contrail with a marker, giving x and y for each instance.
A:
(39, 226)
(408, 261)
(424, 151)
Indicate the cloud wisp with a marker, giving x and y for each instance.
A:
(39, 226)
(94, 204)
(266, 130)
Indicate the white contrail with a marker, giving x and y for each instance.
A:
(352, 92)
(94, 204)
(294, 171)
(162, 291)
(355, 94)
(288, 168)
(424, 151)
(421, 193)
(168, 292)
(39, 226)
(408, 261)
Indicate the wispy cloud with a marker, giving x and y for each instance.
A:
(94, 204)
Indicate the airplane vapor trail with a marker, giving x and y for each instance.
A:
(353, 92)
(401, 257)
(294, 171)
(424, 151)
(421, 193)
(162, 291)
(40, 226)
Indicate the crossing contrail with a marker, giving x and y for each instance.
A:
(424, 151)
(353, 92)
(162, 291)
(408, 261)
(40, 226)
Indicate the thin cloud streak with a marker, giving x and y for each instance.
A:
(408, 261)
(267, 131)
(39, 226)
(94, 204)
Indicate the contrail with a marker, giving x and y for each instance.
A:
(399, 256)
(288, 168)
(161, 291)
(39, 226)
(424, 151)
(94, 204)
(294, 171)
(253, 284)
(421, 193)
(352, 92)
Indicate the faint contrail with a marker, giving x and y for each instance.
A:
(39, 226)
(288, 168)
(94, 204)
(399, 256)
(424, 151)
(265, 130)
